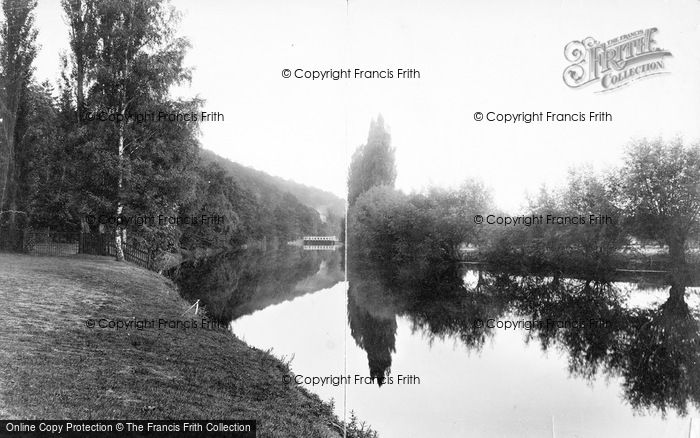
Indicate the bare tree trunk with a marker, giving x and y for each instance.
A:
(120, 232)
(677, 291)
(4, 177)
(676, 251)
(13, 181)
(8, 154)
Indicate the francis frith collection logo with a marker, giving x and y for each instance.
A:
(616, 62)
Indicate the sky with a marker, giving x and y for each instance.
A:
(504, 56)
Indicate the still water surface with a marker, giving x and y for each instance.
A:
(474, 381)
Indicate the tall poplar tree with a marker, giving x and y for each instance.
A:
(17, 53)
(373, 163)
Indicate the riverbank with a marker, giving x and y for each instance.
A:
(653, 260)
(54, 365)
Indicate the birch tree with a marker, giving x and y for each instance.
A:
(125, 58)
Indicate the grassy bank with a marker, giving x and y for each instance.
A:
(53, 366)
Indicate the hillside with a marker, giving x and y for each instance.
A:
(255, 206)
(320, 200)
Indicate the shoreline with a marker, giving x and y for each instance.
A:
(55, 365)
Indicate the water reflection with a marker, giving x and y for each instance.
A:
(438, 304)
(655, 350)
(374, 330)
(239, 283)
(635, 341)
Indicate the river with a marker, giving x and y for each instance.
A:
(468, 354)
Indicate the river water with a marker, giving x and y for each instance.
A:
(470, 354)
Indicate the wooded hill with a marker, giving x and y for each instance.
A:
(322, 201)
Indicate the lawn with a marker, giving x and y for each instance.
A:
(53, 366)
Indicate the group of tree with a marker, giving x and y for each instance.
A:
(59, 167)
(402, 248)
(328, 204)
(386, 223)
(653, 197)
(283, 208)
(582, 246)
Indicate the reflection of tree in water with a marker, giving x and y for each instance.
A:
(448, 309)
(655, 351)
(234, 284)
(437, 304)
(661, 362)
(596, 309)
(376, 334)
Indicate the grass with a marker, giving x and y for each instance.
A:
(53, 366)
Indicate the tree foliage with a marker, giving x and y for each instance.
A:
(17, 53)
(388, 224)
(585, 246)
(64, 167)
(372, 164)
(581, 226)
(660, 185)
